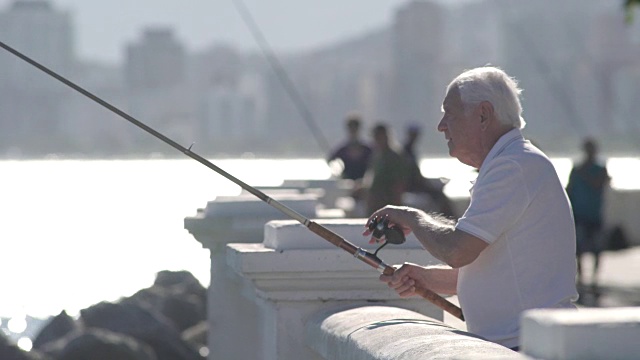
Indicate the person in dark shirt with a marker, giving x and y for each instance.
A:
(354, 154)
(587, 183)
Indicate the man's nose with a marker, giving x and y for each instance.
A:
(441, 126)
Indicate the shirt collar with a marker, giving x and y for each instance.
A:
(504, 141)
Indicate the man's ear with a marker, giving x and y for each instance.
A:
(486, 111)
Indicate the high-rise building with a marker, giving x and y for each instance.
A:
(30, 101)
(418, 51)
(157, 87)
(158, 60)
(563, 56)
(231, 101)
(38, 30)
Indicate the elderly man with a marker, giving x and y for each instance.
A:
(514, 247)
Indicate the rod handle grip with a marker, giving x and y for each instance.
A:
(434, 298)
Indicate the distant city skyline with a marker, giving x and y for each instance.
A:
(578, 67)
(103, 28)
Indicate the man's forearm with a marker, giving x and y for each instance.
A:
(435, 234)
(442, 280)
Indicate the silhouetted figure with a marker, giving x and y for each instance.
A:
(408, 148)
(416, 183)
(587, 182)
(386, 178)
(354, 154)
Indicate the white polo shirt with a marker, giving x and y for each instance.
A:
(520, 208)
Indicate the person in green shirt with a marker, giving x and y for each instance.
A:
(386, 178)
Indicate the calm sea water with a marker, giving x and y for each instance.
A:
(75, 233)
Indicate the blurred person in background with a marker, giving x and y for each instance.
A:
(351, 160)
(586, 187)
(353, 153)
(420, 185)
(386, 179)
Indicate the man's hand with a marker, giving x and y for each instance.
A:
(405, 278)
(398, 216)
(436, 233)
(410, 276)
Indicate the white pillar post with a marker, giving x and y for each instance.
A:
(586, 333)
(237, 219)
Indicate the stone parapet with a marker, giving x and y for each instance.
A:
(241, 219)
(583, 334)
(383, 332)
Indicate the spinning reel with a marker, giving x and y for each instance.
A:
(380, 229)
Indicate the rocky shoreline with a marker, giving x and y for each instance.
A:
(166, 321)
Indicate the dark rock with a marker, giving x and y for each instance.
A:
(176, 295)
(10, 351)
(57, 327)
(142, 323)
(100, 344)
(197, 334)
(183, 311)
(166, 278)
(181, 282)
(151, 297)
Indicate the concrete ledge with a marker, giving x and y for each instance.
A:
(383, 332)
(320, 276)
(593, 333)
(246, 204)
(290, 234)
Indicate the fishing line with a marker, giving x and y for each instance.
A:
(281, 74)
(316, 228)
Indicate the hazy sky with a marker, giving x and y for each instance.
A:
(105, 26)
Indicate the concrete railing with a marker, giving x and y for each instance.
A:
(294, 274)
(584, 334)
(380, 332)
(328, 190)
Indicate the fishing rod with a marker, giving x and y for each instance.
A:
(371, 259)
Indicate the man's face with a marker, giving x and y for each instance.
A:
(460, 128)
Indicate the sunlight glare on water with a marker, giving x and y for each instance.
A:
(17, 324)
(25, 343)
(630, 167)
(79, 232)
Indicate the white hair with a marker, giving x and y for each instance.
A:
(491, 84)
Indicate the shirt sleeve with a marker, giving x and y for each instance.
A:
(498, 199)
